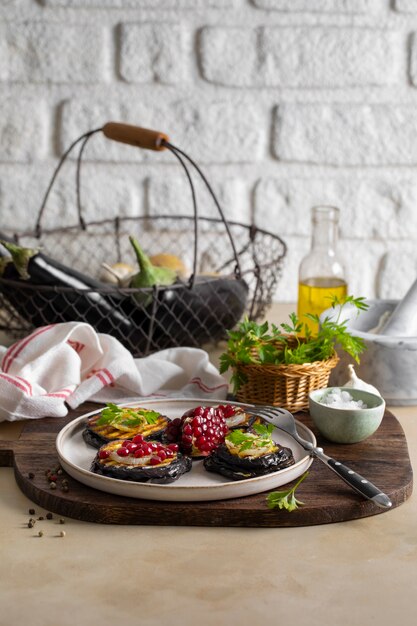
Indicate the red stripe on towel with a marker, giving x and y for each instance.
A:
(16, 383)
(102, 379)
(17, 348)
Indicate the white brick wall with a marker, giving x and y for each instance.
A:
(300, 57)
(318, 6)
(286, 104)
(57, 53)
(152, 52)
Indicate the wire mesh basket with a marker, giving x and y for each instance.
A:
(234, 269)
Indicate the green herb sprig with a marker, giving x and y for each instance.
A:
(253, 343)
(116, 415)
(285, 499)
(245, 441)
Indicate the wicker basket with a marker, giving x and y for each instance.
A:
(286, 386)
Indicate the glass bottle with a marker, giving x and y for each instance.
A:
(321, 272)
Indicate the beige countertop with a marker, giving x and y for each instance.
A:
(355, 573)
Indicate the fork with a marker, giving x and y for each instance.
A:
(284, 420)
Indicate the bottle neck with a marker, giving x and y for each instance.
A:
(325, 234)
(325, 221)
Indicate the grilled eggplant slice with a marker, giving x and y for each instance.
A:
(141, 461)
(117, 422)
(248, 454)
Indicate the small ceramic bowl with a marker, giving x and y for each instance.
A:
(346, 425)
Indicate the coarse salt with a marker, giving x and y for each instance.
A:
(338, 399)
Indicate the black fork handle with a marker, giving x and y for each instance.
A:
(354, 480)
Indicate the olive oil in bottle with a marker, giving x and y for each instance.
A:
(321, 273)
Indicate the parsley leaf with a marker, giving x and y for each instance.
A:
(123, 416)
(285, 499)
(245, 440)
(251, 343)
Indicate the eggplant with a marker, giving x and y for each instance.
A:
(29, 284)
(177, 315)
(192, 316)
(246, 455)
(119, 423)
(159, 464)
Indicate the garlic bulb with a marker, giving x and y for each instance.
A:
(356, 383)
(116, 274)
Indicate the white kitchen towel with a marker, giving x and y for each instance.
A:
(66, 364)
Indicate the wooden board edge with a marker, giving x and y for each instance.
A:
(178, 514)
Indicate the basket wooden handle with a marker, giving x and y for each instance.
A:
(135, 136)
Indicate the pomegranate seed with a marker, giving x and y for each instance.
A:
(173, 447)
(162, 455)
(147, 449)
(131, 446)
(187, 439)
(169, 453)
(198, 431)
(138, 439)
(122, 452)
(104, 454)
(154, 460)
(187, 430)
(199, 410)
(126, 442)
(201, 441)
(139, 453)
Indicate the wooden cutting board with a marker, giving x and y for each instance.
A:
(383, 459)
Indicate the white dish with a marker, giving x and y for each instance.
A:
(76, 457)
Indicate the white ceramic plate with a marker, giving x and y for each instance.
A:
(198, 484)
